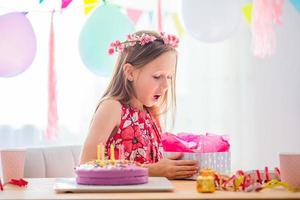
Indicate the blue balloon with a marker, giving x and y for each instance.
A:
(105, 25)
(296, 4)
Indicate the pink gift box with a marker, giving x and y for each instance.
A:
(210, 150)
(218, 161)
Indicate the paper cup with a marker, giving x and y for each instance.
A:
(290, 169)
(12, 161)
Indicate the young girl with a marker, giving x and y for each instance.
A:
(128, 113)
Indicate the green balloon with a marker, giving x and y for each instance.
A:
(105, 25)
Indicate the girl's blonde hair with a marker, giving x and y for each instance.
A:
(120, 88)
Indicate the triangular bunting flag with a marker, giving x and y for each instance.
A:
(65, 3)
(134, 14)
(247, 11)
(178, 25)
(89, 5)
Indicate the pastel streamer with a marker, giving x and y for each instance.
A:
(265, 14)
(159, 16)
(51, 131)
(150, 16)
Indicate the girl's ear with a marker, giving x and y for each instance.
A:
(128, 71)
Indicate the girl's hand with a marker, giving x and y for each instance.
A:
(172, 168)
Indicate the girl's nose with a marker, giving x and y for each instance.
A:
(165, 84)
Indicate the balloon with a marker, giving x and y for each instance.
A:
(17, 44)
(211, 20)
(296, 4)
(105, 25)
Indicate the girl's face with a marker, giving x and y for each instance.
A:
(152, 81)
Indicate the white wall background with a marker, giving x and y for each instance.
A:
(222, 87)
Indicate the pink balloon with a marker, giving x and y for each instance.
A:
(17, 44)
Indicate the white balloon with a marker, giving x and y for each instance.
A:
(211, 20)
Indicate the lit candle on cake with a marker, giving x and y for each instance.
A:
(112, 153)
(98, 153)
(102, 155)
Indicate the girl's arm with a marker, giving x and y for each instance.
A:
(172, 168)
(105, 120)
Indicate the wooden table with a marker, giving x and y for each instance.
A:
(43, 189)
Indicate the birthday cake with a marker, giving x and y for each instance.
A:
(108, 173)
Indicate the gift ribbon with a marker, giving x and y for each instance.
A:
(244, 182)
(258, 176)
(267, 174)
(18, 182)
(276, 183)
(1, 186)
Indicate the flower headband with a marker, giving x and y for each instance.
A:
(133, 39)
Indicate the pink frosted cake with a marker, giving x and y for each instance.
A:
(117, 173)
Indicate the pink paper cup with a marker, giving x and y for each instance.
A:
(12, 161)
(290, 169)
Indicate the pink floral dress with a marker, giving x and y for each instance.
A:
(140, 135)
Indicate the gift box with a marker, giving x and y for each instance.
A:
(210, 150)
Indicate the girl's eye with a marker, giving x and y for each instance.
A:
(156, 77)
